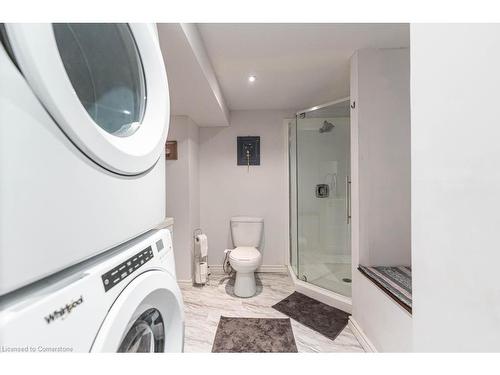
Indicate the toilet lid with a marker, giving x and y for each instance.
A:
(244, 253)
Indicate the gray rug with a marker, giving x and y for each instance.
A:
(316, 315)
(254, 335)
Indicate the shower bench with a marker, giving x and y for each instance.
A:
(395, 281)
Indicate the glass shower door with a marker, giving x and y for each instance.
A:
(322, 169)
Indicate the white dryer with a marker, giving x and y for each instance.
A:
(125, 300)
(84, 114)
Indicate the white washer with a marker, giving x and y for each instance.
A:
(124, 300)
(84, 118)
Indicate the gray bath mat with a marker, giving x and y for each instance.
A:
(254, 335)
(316, 315)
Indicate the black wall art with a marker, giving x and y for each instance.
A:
(248, 150)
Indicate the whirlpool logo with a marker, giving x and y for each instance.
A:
(63, 311)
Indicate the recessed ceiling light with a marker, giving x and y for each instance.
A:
(252, 79)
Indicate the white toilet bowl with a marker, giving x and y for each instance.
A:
(246, 258)
(245, 261)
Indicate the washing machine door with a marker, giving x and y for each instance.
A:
(146, 317)
(104, 84)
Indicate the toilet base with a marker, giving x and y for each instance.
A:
(244, 285)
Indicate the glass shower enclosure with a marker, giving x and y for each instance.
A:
(319, 170)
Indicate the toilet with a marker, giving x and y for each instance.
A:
(245, 258)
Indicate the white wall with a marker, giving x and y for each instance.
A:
(387, 325)
(183, 193)
(380, 170)
(383, 107)
(456, 186)
(229, 190)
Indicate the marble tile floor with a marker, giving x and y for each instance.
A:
(204, 305)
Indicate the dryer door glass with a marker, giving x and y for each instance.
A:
(146, 334)
(105, 69)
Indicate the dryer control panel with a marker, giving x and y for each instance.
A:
(123, 270)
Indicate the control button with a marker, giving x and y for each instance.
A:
(130, 270)
(106, 282)
(124, 275)
(129, 263)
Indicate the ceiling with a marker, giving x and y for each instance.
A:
(297, 65)
(193, 86)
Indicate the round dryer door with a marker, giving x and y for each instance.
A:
(104, 84)
(146, 317)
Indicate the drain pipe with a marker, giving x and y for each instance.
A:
(226, 265)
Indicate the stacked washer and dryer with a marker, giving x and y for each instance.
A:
(84, 113)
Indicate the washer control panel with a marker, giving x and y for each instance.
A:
(123, 270)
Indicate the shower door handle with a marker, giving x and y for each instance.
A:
(348, 199)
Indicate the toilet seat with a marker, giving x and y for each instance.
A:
(245, 254)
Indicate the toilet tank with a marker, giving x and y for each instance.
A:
(246, 231)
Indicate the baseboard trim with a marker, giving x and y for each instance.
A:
(217, 268)
(185, 282)
(361, 336)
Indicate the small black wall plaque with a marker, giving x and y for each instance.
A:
(248, 150)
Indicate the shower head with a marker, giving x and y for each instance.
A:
(327, 126)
